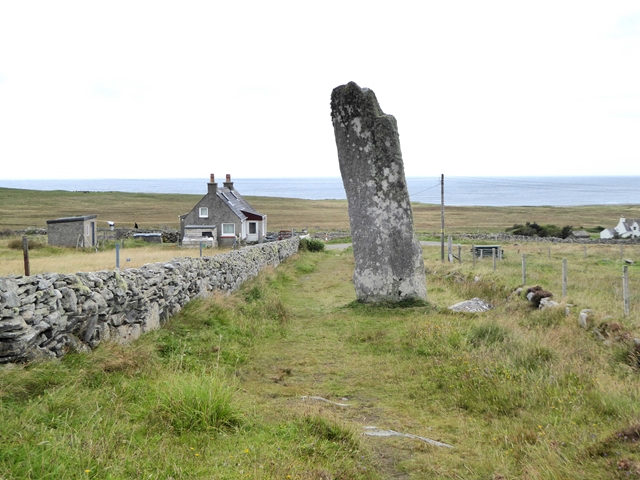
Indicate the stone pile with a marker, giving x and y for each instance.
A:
(44, 316)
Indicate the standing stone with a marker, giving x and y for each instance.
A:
(389, 265)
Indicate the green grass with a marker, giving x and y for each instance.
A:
(217, 393)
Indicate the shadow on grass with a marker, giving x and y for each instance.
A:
(363, 307)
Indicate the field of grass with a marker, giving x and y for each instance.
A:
(43, 258)
(218, 393)
(21, 209)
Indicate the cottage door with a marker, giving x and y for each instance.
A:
(253, 232)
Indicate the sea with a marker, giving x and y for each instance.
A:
(458, 191)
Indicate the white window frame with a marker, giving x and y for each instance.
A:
(203, 212)
(229, 234)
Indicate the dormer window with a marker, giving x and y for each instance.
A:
(203, 212)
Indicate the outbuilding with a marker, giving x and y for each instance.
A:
(77, 231)
(581, 234)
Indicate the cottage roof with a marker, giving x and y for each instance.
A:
(580, 234)
(237, 204)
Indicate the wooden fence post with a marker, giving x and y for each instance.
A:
(25, 253)
(493, 255)
(564, 277)
(459, 253)
(625, 289)
(473, 254)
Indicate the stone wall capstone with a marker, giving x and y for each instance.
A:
(46, 315)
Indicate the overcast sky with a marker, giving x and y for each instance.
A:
(153, 89)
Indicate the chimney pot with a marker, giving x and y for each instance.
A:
(228, 184)
(212, 186)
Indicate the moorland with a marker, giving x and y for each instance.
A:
(22, 209)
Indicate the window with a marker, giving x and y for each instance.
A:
(253, 228)
(228, 229)
(87, 230)
(203, 212)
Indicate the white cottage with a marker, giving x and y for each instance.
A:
(626, 228)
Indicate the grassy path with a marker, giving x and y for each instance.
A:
(327, 353)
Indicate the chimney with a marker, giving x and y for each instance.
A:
(212, 186)
(228, 184)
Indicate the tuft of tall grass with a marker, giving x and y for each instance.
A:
(196, 403)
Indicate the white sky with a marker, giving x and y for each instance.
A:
(156, 89)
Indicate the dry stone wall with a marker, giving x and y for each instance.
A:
(523, 238)
(45, 316)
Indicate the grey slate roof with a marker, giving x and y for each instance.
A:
(235, 202)
(580, 234)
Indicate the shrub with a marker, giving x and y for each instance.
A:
(535, 230)
(311, 245)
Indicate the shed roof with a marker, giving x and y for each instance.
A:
(79, 218)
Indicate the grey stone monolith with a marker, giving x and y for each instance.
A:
(389, 265)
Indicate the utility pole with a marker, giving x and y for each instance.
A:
(442, 218)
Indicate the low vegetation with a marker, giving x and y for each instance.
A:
(535, 230)
(311, 245)
(225, 389)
